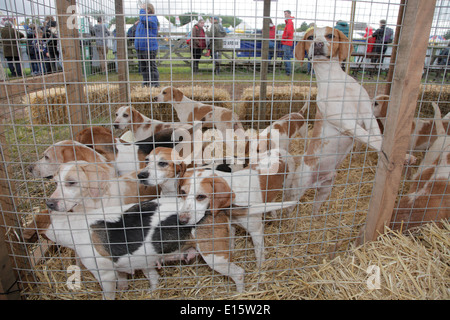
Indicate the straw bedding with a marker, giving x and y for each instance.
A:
(306, 257)
(412, 266)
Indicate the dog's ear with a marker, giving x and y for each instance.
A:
(180, 169)
(345, 47)
(98, 176)
(177, 94)
(64, 153)
(299, 51)
(223, 195)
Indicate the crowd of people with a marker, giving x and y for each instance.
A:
(217, 33)
(43, 47)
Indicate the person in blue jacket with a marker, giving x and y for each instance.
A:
(146, 44)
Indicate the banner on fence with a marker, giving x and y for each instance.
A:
(231, 43)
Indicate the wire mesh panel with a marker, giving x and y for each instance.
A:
(206, 149)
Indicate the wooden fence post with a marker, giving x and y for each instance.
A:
(411, 53)
(9, 225)
(394, 48)
(264, 66)
(72, 64)
(122, 53)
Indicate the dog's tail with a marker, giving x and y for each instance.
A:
(440, 130)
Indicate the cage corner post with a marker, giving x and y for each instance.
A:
(412, 47)
(72, 64)
(9, 287)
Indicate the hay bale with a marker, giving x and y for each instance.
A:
(50, 106)
(280, 101)
(439, 93)
(142, 100)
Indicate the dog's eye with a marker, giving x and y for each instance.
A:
(162, 164)
(182, 193)
(310, 38)
(125, 115)
(70, 183)
(46, 158)
(200, 197)
(329, 36)
(117, 114)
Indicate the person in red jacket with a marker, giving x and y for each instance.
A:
(272, 34)
(287, 41)
(198, 43)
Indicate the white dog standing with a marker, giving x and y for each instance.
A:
(344, 114)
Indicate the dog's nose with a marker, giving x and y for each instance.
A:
(184, 217)
(318, 45)
(143, 175)
(51, 204)
(116, 126)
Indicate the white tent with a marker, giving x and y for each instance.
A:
(243, 27)
(165, 25)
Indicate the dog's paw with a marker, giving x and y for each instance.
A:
(410, 159)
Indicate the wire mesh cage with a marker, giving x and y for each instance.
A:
(211, 149)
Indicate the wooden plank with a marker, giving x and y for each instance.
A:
(72, 64)
(19, 87)
(406, 81)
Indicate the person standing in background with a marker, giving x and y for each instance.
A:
(343, 27)
(369, 38)
(198, 43)
(101, 33)
(146, 45)
(287, 42)
(272, 34)
(9, 40)
(216, 33)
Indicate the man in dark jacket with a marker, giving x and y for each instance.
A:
(31, 51)
(216, 33)
(51, 35)
(383, 36)
(9, 39)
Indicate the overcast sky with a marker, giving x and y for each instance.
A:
(322, 12)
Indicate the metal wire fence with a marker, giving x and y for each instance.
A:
(95, 93)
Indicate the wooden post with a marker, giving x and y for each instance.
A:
(412, 49)
(72, 64)
(122, 52)
(390, 74)
(264, 64)
(9, 289)
(8, 277)
(350, 33)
